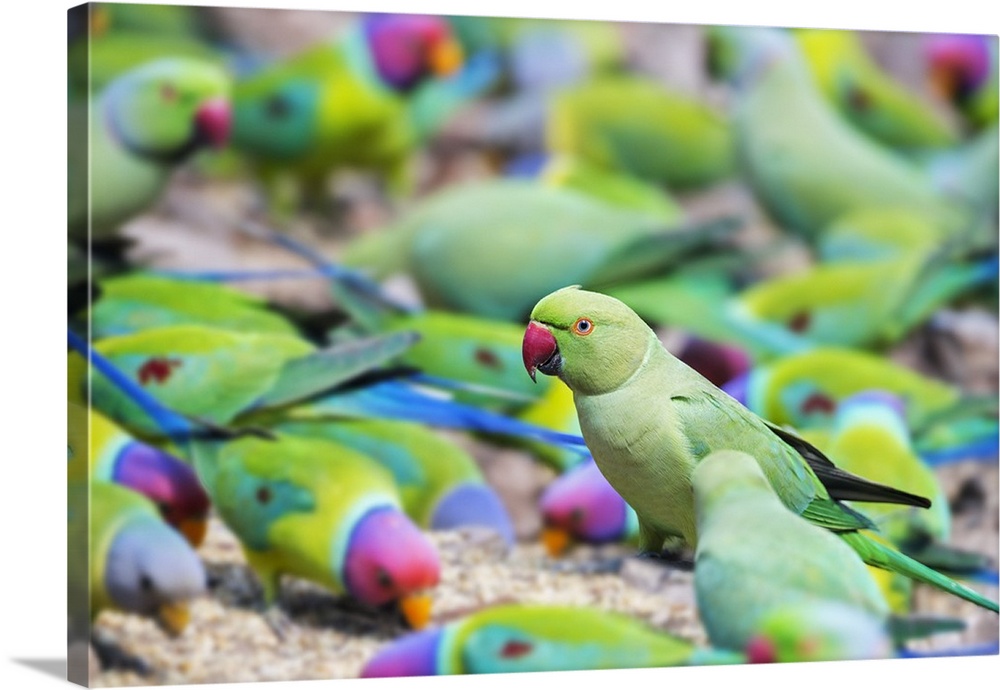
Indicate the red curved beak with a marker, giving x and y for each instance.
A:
(213, 121)
(537, 348)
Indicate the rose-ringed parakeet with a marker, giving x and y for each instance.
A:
(531, 637)
(465, 246)
(343, 104)
(850, 304)
(868, 97)
(218, 375)
(124, 142)
(805, 163)
(162, 478)
(754, 555)
(440, 484)
(648, 420)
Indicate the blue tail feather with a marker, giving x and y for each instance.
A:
(983, 649)
(983, 450)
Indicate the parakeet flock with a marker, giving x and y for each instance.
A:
(565, 298)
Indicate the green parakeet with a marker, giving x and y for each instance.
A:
(648, 420)
(466, 246)
(638, 126)
(870, 98)
(323, 512)
(851, 304)
(141, 124)
(754, 555)
(138, 563)
(529, 637)
(218, 375)
(804, 162)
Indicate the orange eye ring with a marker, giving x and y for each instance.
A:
(583, 326)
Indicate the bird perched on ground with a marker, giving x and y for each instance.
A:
(506, 639)
(323, 512)
(138, 564)
(804, 162)
(440, 484)
(170, 483)
(344, 104)
(648, 420)
(871, 99)
(754, 555)
(143, 123)
(465, 246)
(637, 126)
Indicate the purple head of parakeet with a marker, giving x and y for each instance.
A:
(717, 362)
(408, 48)
(412, 655)
(958, 63)
(389, 560)
(582, 505)
(473, 504)
(170, 483)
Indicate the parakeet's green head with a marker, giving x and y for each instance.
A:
(166, 109)
(593, 342)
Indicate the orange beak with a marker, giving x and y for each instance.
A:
(173, 617)
(416, 609)
(445, 57)
(194, 530)
(555, 540)
(942, 81)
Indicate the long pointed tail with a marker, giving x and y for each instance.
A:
(880, 556)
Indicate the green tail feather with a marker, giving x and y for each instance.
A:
(880, 556)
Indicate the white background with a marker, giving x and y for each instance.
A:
(33, 174)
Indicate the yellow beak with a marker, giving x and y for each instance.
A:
(556, 540)
(194, 530)
(174, 617)
(445, 57)
(416, 609)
